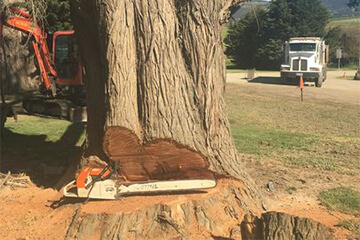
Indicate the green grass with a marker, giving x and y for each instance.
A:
(351, 225)
(51, 129)
(346, 19)
(224, 32)
(346, 78)
(296, 149)
(37, 134)
(318, 136)
(289, 116)
(258, 140)
(232, 69)
(33, 142)
(291, 190)
(346, 68)
(349, 26)
(341, 199)
(317, 162)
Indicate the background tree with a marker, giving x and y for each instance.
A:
(282, 20)
(58, 15)
(21, 73)
(354, 4)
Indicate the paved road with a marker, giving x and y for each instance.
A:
(335, 89)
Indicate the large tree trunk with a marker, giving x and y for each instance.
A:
(18, 73)
(157, 68)
(155, 80)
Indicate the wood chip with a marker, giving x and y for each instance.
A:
(2, 183)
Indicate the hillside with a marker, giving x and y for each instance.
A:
(337, 8)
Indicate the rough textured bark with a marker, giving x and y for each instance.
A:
(275, 225)
(155, 80)
(18, 72)
(223, 213)
(157, 69)
(17, 67)
(215, 215)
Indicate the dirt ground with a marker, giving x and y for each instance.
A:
(30, 213)
(36, 213)
(338, 88)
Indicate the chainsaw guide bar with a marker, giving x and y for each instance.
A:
(95, 183)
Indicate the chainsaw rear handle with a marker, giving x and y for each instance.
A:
(67, 187)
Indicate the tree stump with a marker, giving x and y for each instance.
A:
(357, 75)
(225, 212)
(155, 81)
(215, 213)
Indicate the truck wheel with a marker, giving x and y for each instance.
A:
(319, 82)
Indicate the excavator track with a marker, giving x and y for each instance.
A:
(56, 108)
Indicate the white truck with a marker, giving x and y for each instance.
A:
(306, 56)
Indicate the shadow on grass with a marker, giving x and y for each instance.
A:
(43, 161)
(274, 80)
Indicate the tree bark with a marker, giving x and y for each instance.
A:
(217, 214)
(157, 68)
(17, 67)
(155, 80)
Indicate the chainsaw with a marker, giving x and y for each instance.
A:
(100, 183)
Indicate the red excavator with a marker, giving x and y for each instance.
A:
(61, 90)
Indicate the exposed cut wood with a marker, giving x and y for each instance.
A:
(157, 160)
(120, 141)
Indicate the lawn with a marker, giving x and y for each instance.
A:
(320, 136)
(33, 145)
(307, 150)
(341, 199)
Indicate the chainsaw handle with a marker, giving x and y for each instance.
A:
(100, 177)
(67, 187)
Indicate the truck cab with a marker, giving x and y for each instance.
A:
(306, 56)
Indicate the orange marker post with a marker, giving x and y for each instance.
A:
(301, 85)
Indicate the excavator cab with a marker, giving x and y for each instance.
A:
(65, 56)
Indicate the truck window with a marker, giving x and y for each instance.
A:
(302, 47)
(66, 56)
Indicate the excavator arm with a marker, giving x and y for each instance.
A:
(22, 21)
